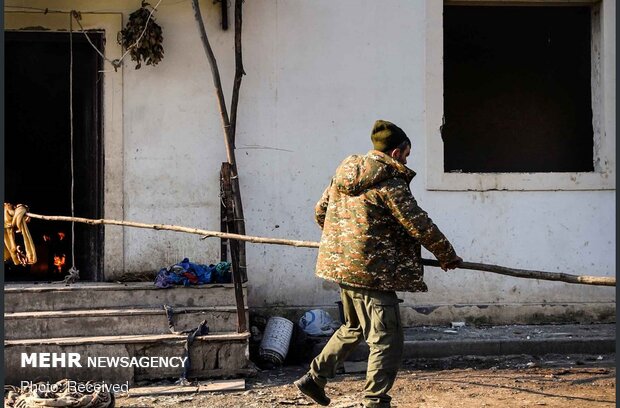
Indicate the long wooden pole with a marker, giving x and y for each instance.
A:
(177, 228)
(502, 270)
(525, 273)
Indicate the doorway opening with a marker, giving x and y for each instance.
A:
(38, 148)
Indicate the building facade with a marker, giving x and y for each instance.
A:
(318, 75)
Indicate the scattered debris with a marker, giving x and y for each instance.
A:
(188, 273)
(463, 381)
(257, 335)
(64, 393)
(318, 322)
(297, 402)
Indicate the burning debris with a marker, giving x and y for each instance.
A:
(59, 262)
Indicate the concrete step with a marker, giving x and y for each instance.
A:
(102, 295)
(120, 321)
(212, 356)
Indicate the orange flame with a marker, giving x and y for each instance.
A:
(59, 261)
(61, 235)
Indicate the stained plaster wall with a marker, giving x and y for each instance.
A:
(318, 74)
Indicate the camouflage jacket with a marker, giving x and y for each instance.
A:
(373, 227)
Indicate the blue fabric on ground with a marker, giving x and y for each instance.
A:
(188, 273)
(222, 272)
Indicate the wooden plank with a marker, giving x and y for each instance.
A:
(239, 227)
(223, 385)
(227, 197)
(163, 390)
(206, 386)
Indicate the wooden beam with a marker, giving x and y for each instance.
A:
(234, 247)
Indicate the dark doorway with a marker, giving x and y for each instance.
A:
(38, 148)
(517, 89)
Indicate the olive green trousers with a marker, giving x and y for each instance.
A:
(373, 316)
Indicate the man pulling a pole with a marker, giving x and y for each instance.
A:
(373, 230)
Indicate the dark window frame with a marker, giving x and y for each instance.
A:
(517, 100)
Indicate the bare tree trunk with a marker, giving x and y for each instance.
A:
(234, 103)
(229, 138)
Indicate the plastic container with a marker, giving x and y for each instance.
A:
(276, 340)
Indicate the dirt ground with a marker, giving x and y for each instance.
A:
(517, 381)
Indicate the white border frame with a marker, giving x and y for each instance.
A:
(604, 102)
(112, 116)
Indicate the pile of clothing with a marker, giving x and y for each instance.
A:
(187, 273)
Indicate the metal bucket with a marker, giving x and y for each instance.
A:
(276, 340)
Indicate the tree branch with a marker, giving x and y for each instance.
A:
(239, 72)
(228, 135)
(217, 83)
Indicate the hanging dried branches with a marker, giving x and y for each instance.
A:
(142, 37)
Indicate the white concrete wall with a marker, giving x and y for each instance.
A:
(318, 74)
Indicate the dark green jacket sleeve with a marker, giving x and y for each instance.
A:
(415, 220)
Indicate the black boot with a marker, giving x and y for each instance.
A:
(311, 389)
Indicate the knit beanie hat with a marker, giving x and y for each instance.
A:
(387, 136)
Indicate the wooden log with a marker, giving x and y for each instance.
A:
(519, 273)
